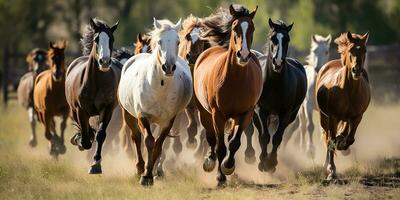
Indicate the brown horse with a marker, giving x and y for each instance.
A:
(91, 86)
(49, 97)
(227, 83)
(343, 95)
(37, 62)
(142, 44)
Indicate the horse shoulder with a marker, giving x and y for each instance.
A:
(76, 62)
(132, 60)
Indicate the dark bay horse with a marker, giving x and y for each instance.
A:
(285, 86)
(91, 86)
(49, 98)
(37, 62)
(343, 95)
(227, 84)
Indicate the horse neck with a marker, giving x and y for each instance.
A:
(91, 68)
(312, 61)
(350, 84)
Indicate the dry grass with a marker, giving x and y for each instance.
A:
(371, 172)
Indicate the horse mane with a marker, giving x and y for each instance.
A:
(343, 42)
(166, 25)
(189, 24)
(87, 37)
(217, 27)
(122, 53)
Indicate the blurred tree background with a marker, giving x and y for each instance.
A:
(26, 24)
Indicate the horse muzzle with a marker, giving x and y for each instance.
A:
(356, 72)
(242, 60)
(168, 70)
(105, 64)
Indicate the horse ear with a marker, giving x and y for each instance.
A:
(271, 23)
(92, 24)
(114, 27)
(328, 38)
(252, 14)
(365, 37)
(232, 10)
(51, 45)
(288, 28)
(177, 26)
(349, 36)
(156, 24)
(314, 39)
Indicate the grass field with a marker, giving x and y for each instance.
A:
(371, 171)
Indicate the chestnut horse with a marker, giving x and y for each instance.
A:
(227, 84)
(285, 86)
(142, 44)
(91, 87)
(49, 98)
(343, 95)
(37, 62)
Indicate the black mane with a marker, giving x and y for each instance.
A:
(87, 37)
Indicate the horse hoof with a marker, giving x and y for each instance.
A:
(249, 156)
(208, 165)
(346, 152)
(146, 181)
(191, 144)
(62, 149)
(270, 166)
(159, 173)
(331, 176)
(33, 143)
(261, 166)
(95, 169)
(226, 170)
(221, 184)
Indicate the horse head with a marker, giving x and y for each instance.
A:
(165, 44)
(57, 59)
(320, 49)
(103, 39)
(242, 32)
(142, 44)
(352, 49)
(279, 43)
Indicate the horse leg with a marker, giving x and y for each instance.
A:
(228, 165)
(136, 137)
(49, 134)
(177, 143)
(310, 128)
(291, 130)
(144, 125)
(349, 140)
(272, 160)
(219, 128)
(202, 147)
(331, 167)
(303, 128)
(206, 121)
(263, 137)
(191, 113)
(63, 126)
(83, 139)
(32, 121)
(249, 153)
(105, 117)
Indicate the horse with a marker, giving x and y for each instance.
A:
(284, 89)
(49, 97)
(319, 55)
(91, 86)
(37, 62)
(227, 84)
(142, 44)
(153, 89)
(343, 95)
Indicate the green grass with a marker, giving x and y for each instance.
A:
(30, 173)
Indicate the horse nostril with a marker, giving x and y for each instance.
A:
(173, 67)
(164, 68)
(188, 56)
(238, 54)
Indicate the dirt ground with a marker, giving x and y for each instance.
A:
(371, 171)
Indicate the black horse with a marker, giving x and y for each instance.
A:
(285, 86)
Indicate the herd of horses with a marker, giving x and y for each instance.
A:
(207, 68)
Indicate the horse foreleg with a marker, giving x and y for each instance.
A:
(158, 147)
(191, 113)
(249, 153)
(49, 131)
(144, 125)
(219, 128)
(206, 121)
(331, 167)
(83, 139)
(263, 137)
(32, 121)
(310, 129)
(63, 126)
(105, 117)
(202, 147)
(303, 127)
(345, 143)
(228, 165)
(290, 131)
(131, 122)
(272, 160)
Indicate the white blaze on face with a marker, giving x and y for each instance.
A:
(169, 47)
(245, 49)
(144, 49)
(104, 47)
(279, 36)
(195, 35)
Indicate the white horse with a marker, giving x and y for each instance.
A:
(153, 89)
(319, 55)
